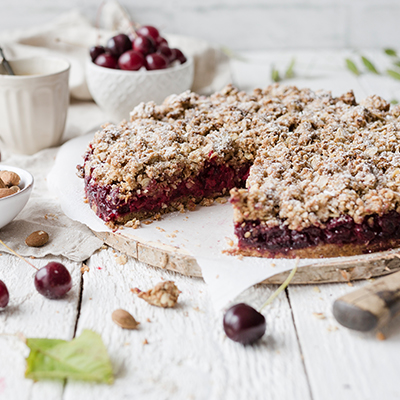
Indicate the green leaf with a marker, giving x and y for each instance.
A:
(352, 67)
(393, 74)
(289, 72)
(83, 358)
(275, 75)
(390, 52)
(368, 64)
(397, 63)
(394, 101)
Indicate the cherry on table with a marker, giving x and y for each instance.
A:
(4, 295)
(53, 280)
(131, 61)
(156, 61)
(244, 324)
(106, 60)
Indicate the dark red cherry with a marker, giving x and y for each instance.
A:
(131, 61)
(244, 324)
(95, 51)
(178, 55)
(148, 30)
(156, 61)
(106, 60)
(160, 40)
(4, 295)
(144, 45)
(165, 51)
(118, 44)
(53, 280)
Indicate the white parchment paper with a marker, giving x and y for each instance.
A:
(202, 232)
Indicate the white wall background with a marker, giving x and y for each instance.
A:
(241, 24)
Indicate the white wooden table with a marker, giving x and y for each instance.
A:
(182, 353)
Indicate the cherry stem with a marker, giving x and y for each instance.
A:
(14, 252)
(282, 287)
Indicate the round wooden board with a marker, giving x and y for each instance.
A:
(343, 269)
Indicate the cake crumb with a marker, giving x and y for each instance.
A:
(133, 223)
(319, 315)
(160, 229)
(145, 341)
(332, 328)
(164, 294)
(380, 336)
(84, 268)
(316, 289)
(229, 241)
(122, 259)
(221, 200)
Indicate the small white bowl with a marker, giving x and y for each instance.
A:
(117, 92)
(11, 206)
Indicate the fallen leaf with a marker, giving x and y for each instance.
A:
(83, 358)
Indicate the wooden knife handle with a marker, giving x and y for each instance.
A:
(371, 306)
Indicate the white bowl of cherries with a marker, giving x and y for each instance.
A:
(136, 68)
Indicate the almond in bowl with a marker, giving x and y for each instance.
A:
(15, 189)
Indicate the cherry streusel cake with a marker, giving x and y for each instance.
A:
(309, 174)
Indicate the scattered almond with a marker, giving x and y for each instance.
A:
(123, 319)
(37, 239)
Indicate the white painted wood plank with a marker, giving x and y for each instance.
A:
(187, 355)
(340, 363)
(31, 315)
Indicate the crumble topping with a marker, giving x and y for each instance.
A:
(313, 156)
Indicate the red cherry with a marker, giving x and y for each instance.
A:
(119, 44)
(106, 60)
(131, 61)
(160, 40)
(144, 45)
(165, 51)
(148, 30)
(95, 51)
(4, 295)
(178, 55)
(244, 324)
(53, 280)
(156, 61)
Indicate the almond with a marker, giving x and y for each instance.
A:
(37, 239)
(10, 178)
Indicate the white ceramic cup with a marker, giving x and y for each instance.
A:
(34, 104)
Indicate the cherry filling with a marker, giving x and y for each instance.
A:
(213, 180)
(374, 230)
